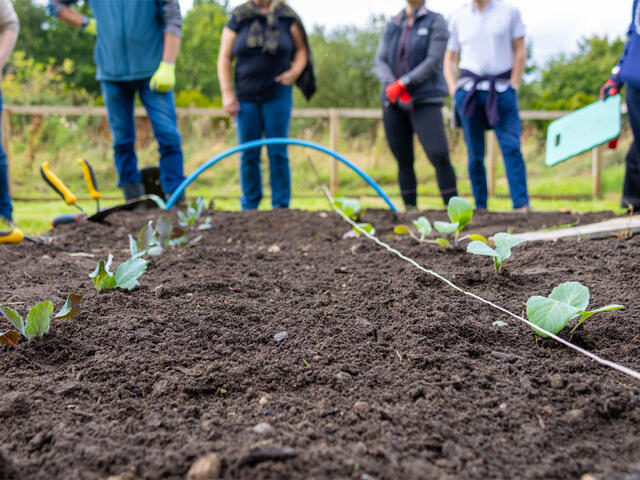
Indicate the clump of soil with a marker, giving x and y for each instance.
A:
(7, 472)
(383, 373)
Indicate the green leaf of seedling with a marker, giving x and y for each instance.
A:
(128, 273)
(11, 338)
(367, 227)
(460, 211)
(13, 317)
(480, 248)
(475, 237)
(206, 225)
(38, 320)
(445, 227)
(443, 242)
(147, 238)
(179, 241)
(553, 313)
(183, 219)
(423, 226)
(585, 315)
(504, 243)
(401, 230)
(71, 307)
(107, 283)
(350, 207)
(164, 227)
(133, 247)
(101, 273)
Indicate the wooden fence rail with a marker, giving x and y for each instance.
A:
(333, 115)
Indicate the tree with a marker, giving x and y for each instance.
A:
(197, 63)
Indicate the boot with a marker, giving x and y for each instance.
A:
(132, 191)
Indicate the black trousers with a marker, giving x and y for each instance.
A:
(631, 189)
(426, 121)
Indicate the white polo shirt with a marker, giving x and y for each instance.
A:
(483, 40)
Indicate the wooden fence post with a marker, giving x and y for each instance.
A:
(334, 134)
(6, 143)
(492, 161)
(596, 171)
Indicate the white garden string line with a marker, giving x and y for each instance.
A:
(593, 356)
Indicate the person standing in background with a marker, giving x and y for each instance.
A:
(136, 49)
(9, 28)
(409, 65)
(268, 42)
(487, 36)
(628, 71)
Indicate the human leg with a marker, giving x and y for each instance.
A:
(474, 128)
(276, 113)
(631, 189)
(6, 209)
(399, 132)
(119, 101)
(427, 122)
(161, 109)
(509, 130)
(249, 126)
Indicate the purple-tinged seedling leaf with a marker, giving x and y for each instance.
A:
(11, 338)
(71, 307)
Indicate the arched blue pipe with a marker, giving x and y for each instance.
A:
(277, 141)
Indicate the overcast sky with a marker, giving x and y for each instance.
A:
(555, 26)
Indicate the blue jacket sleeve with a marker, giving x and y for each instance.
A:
(616, 70)
(55, 6)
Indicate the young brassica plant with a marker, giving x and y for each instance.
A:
(504, 242)
(147, 242)
(126, 276)
(422, 226)
(38, 320)
(189, 218)
(350, 207)
(566, 302)
(460, 213)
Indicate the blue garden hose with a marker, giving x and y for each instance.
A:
(277, 141)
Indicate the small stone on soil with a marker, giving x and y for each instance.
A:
(345, 378)
(420, 470)
(205, 468)
(40, 440)
(280, 337)
(264, 429)
(263, 400)
(274, 249)
(575, 415)
(361, 406)
(505, 357)
(556, 381)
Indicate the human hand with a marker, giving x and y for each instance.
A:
(165, 77)
(230, 104)
(395, 90)
(610, 88)
(287, 78)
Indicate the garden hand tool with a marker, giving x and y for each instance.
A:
(13, 235)
(59, 187)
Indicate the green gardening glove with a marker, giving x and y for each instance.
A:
(165, 77)
(90, 27)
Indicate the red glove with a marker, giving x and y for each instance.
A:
(395, 90)
(610, 88)
(405, 101)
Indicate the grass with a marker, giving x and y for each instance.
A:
(202, 138)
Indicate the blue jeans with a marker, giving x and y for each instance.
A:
(119, 98)
(270, 118)
(6, 210)
(508, 130)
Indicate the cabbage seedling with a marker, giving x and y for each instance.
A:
(38, 320)
(422, 226)
(566, 302)
(504, 242)
(460, 213)
(126, 276)
(147, 242)
(189, 217)
(350, 207)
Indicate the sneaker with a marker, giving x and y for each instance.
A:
(525, 209)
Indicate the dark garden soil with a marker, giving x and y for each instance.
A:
(385, 372)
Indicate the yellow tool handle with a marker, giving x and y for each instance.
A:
(55, 183)
(90, 180)
(12, 236)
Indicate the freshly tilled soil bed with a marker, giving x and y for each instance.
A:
(384, 373)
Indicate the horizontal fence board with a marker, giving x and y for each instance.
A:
(362, 113)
